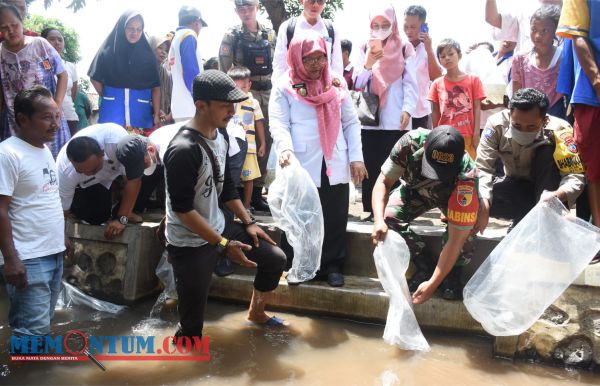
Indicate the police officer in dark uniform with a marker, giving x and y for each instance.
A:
(252, 45)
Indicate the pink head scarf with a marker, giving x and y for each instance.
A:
(320, 93)
(391, 67)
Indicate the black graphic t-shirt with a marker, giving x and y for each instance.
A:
(191, 185)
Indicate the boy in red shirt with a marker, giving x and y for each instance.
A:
(456, 97)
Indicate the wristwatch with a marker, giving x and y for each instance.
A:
(123, 220)
(222, 245)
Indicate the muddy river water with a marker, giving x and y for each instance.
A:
(314, 351)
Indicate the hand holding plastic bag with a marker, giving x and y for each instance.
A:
(530, 268)
(295, 206)
(401, 328)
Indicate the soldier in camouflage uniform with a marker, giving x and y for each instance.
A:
(437, 175)
(252, 45)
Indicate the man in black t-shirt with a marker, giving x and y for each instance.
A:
(197, 177)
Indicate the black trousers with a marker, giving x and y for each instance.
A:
(377, 146)
(513, 198)
(334, 203)
(193, 268)
(424, 122)
(155, 181)
(92, 204)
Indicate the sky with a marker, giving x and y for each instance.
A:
(462, 20)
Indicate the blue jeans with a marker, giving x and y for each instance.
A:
(32, 308)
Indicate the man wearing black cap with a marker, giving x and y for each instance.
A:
(87, 167)
(252, 45)
(197, 233)
(435, 172)
(185, 62)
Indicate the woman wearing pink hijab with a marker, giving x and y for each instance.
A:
(313, 121)
(386, 68)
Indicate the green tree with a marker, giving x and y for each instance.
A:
(75, 5)
(279, 10)
(37, 23)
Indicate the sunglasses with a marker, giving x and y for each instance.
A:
(320, 2)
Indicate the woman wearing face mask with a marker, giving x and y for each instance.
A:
(161, 48)
(313, 122)
(125, 73)
(385, 68)
(56, 39)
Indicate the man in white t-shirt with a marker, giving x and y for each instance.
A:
(514, 27)
(87, 167)
(32, 239)
(310, 19)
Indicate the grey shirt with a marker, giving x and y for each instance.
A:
(190, 185)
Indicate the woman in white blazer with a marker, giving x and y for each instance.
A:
(313, 119)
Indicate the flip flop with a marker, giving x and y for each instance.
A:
(273, 321)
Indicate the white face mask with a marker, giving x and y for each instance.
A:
(523, 138)
(381, 34)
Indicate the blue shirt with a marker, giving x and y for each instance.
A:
(579, 18)
(189, 61)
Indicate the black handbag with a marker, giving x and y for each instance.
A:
(367, 106)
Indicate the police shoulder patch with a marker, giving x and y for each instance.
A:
(488, 133)
(225, 49)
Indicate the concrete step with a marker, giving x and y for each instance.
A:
(360, 248)
(362, 298)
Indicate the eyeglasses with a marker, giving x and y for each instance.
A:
(320, 2)
(313, 61)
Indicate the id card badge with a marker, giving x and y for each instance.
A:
(46, 64)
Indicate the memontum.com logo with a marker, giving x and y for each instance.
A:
(77, 346)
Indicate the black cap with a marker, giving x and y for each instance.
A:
(131, 150)
(444, 151)
(188, 14)
(215, 85)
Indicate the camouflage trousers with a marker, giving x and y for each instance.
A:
(404, 206)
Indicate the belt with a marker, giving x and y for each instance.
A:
(262, 86)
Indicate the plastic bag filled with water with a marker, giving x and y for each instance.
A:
(164, 272)
(296, 208)
(401, 327)
(530, 268)
(71, 295)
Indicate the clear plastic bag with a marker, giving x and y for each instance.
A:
(164, 272)
(401, 327)
(71, 295)
(530, 269)
(295, 206)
